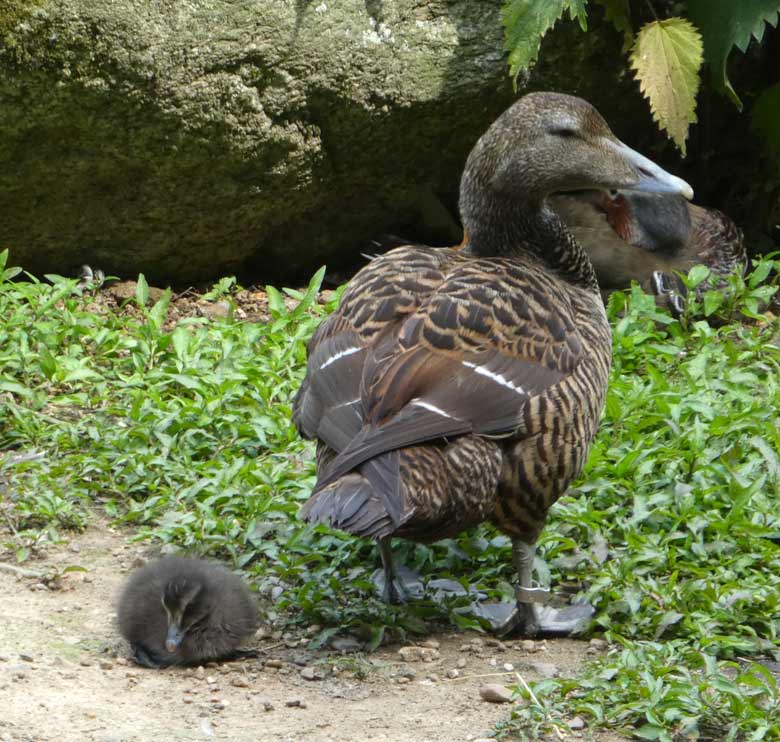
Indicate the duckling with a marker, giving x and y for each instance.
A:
(672, 234)
(177, 611)
(454, 386)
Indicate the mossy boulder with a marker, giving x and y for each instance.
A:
(190, 140)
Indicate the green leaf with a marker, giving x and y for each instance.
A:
(713, 300)
(725, 24)
(47, 362)
(159, 311)
(527, 21)
(696, 275)
(667, 56)
(141, 291)
(766, 119)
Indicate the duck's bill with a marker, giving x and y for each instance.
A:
(652, 179)
(173, 638)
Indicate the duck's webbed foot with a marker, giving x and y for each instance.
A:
(531, 616)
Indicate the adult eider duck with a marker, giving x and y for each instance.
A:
(670, 233)
(177, 611)
(453, 386)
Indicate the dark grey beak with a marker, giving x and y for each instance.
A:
(652, 179)
(174, 637)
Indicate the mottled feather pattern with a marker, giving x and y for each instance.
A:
(450, 345)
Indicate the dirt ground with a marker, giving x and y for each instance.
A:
(65, 673)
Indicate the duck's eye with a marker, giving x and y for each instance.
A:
(566, 132)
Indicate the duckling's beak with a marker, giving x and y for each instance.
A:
(174, 637)
(652, 179)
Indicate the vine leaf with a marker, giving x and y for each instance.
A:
(725, 24)
(667, 56)
(527, 21)
(618, 14)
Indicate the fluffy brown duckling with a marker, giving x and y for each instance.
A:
(178, 611)
(454, 386)
(670, 234)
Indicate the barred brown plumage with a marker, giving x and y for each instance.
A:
(453, 386)
(670, 233)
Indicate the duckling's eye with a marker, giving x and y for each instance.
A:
(566, 132)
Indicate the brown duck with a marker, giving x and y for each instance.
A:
(671, 234)
(452, 386)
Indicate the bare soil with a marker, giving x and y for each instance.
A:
(65, 673)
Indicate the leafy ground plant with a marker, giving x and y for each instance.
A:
(182, 431)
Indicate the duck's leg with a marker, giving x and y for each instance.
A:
(530, 616)
(396, 586)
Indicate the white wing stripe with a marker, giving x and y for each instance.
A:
(431, 408)
(337, 356)
(498, 378)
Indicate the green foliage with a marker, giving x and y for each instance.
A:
(667, 56)
(527, 21)
(666, 53)
(184, 433)
(726, 24)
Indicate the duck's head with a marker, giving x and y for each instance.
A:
(185, 608)
(549, 143)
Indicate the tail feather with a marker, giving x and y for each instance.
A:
(357, 502)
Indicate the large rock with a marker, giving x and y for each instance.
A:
(192, 139)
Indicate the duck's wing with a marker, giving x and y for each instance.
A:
(329, 404)
(491, 337)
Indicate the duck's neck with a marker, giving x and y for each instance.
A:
(506, 228)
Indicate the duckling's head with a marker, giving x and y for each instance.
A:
(549, 143)
(184, 601)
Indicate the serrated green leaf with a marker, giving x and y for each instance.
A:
(618, 14)
(766, 119)
(725, 24)
(667, 56)
(527, 21)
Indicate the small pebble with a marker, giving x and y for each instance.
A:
(274, 663)
(26, 657)
(508, 667)
(418, 654)
(598, 644)
(577, 723)
(431, 644)
(529, 645)
(452, 674)
(311, 673)
(495, 693)
(239, 681)
(401, 680)
(211, 680)
(106, 665)
(545, 669)
(268, 706)
(461, 663)
(85, 663)
(295, 703)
